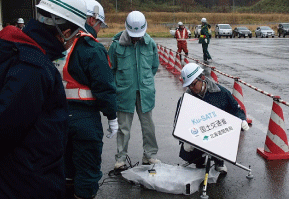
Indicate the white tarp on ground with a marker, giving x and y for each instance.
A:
(169, 178)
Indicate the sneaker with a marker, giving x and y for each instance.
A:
(148, 161)
(119, 165)
(221, 168)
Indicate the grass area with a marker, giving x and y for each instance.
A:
(159, 23)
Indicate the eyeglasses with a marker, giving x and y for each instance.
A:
(193, 84)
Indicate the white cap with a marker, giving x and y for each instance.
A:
(136, 24)
(204, 20)
(20, 20)
(72, 11)
(180, 23)
(95, 10)
(190, 72)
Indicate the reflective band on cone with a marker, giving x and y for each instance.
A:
(178, 65)
(238, 95)
(171, 62)
(276, 143)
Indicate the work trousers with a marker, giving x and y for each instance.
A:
(182, 45)
(83, 151)
(197, 157)
(150, 146)
(206, 54)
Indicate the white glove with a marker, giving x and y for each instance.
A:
(188, 147)
(206, 40)
(113, 127)
(245, 125)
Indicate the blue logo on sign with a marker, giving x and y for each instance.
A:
(194, 131)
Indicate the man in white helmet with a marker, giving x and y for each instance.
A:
(134, 59)
(203, 88)
(90, 89)
(205, 39)
(33, 107)
(182, 35)
(20, 23)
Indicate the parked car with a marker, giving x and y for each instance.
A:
(283, 29)
(173, 31)
(242, 32)
(197, 31)
(223, 30)
(264, 31)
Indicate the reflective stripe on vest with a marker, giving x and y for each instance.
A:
(73, 89)
(183, 35)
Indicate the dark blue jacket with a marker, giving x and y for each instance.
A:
(225, 101)
(33, 114)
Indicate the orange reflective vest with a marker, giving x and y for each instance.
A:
(73, 89)
(182, 37)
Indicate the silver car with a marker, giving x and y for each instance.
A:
(223, 30)
(264, 31)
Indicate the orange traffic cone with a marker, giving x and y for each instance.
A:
(213, 75)
(276, 143)
(166, 57)
(178, 65)
(238, 95)
(171, 62)
(160, 54)
(186, 61)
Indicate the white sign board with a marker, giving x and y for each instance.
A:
(208, 128)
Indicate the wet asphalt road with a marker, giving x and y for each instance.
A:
(261, 62)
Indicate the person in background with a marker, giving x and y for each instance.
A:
(134, 59)
(90, 89)
(205, 39)
(20, 23)
(214, 94)
(33, 107)
(182, 35)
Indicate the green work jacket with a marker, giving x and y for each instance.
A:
(205, 34)
(89, 66)
(134, 67)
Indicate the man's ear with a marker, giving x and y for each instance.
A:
(66, 33)
(90, 21)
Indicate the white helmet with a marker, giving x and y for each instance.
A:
(20, 20)
(72, 11)
(180, 23)
(190, 72)
(95, 10)
(136, 24)
(204, 20)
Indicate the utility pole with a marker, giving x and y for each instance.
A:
(116, 5)
(233, 10)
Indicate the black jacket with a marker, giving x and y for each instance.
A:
(33, 114)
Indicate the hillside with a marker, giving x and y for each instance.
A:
(267, 6)
(207, 6)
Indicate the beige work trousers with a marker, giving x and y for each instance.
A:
(150, 146)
